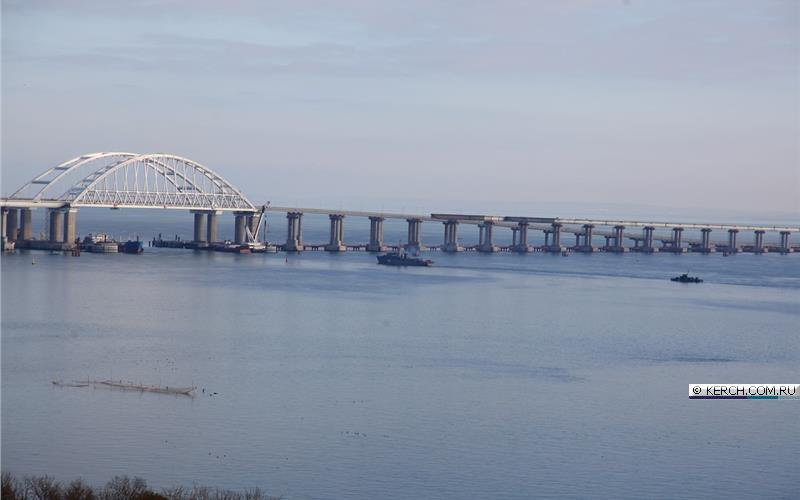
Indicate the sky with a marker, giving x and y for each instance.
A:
(468, 105)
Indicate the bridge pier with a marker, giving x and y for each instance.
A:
(336, 243)
(451, 237)
(294, 233)
(12, 221)
(3, 220)
(647, 243)
(56, 225)
(414, 240)
(240, 225)
(676, 245)
(211, 226)
(26, 224)
(199, 227)
(619, 240)
(732, 247)
(521, 238)
(555, 246)
(70, 225)
(785, 248)
(705, 241)
(758, 243)
(376, 235)
(252, 225)
(485, 239)
(587, 239)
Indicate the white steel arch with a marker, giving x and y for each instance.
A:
(129, 180)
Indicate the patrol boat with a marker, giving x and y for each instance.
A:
(685, 278)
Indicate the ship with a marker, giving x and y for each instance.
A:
(131, 246)
(685, 278)
(401, 259)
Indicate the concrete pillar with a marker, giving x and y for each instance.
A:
(3, 219)
(199, 227)
(758, 244)
(376, 234)
(294, 233)
(12, 221)
(619, 238)
(587, 238)
(647, 246)
(521, 245)
(70, 225)
(732, 247)
(56, 226)
(546, 238)
(556, 237)
(486, 241)
(211, 226)
(252, 224)
(26, 224)
(677, 245)
(414, 239)
(336, 243)
(577, 240)
(451, 237)
(240, 223)
(705, 240)
(785, 248)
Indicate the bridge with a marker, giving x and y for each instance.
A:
(123, 180)
(164, 181)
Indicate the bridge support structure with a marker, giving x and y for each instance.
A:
(555, 245)
(199, 235)
(758, 242)
(647, 240)
(376, 235)
(732, 246)
(414, 241)
(336, 242)
(211, 226)
(485, 239)
(619, 241)
(586, 245)
(12, 224)
(676, 245)
(70, 225)
(240, 227)
(294, 232)
(520, 240)
(451, 237)
(25, 224)
(705, 241)
(785, 248)
(56, 217)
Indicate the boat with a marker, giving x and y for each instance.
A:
(131, 246)
(685, 278)
(401, 259)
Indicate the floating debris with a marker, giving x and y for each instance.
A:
(129, 386)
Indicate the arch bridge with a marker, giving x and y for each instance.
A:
(127, 180)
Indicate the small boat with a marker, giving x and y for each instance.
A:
(685, 278)
(401, 259)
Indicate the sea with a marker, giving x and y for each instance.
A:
(324, 375)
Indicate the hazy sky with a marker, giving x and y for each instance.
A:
(687, 104)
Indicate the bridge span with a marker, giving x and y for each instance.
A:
(119, 180)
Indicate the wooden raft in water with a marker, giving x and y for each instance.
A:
(128, 386)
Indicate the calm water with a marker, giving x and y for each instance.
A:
(327, 376)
